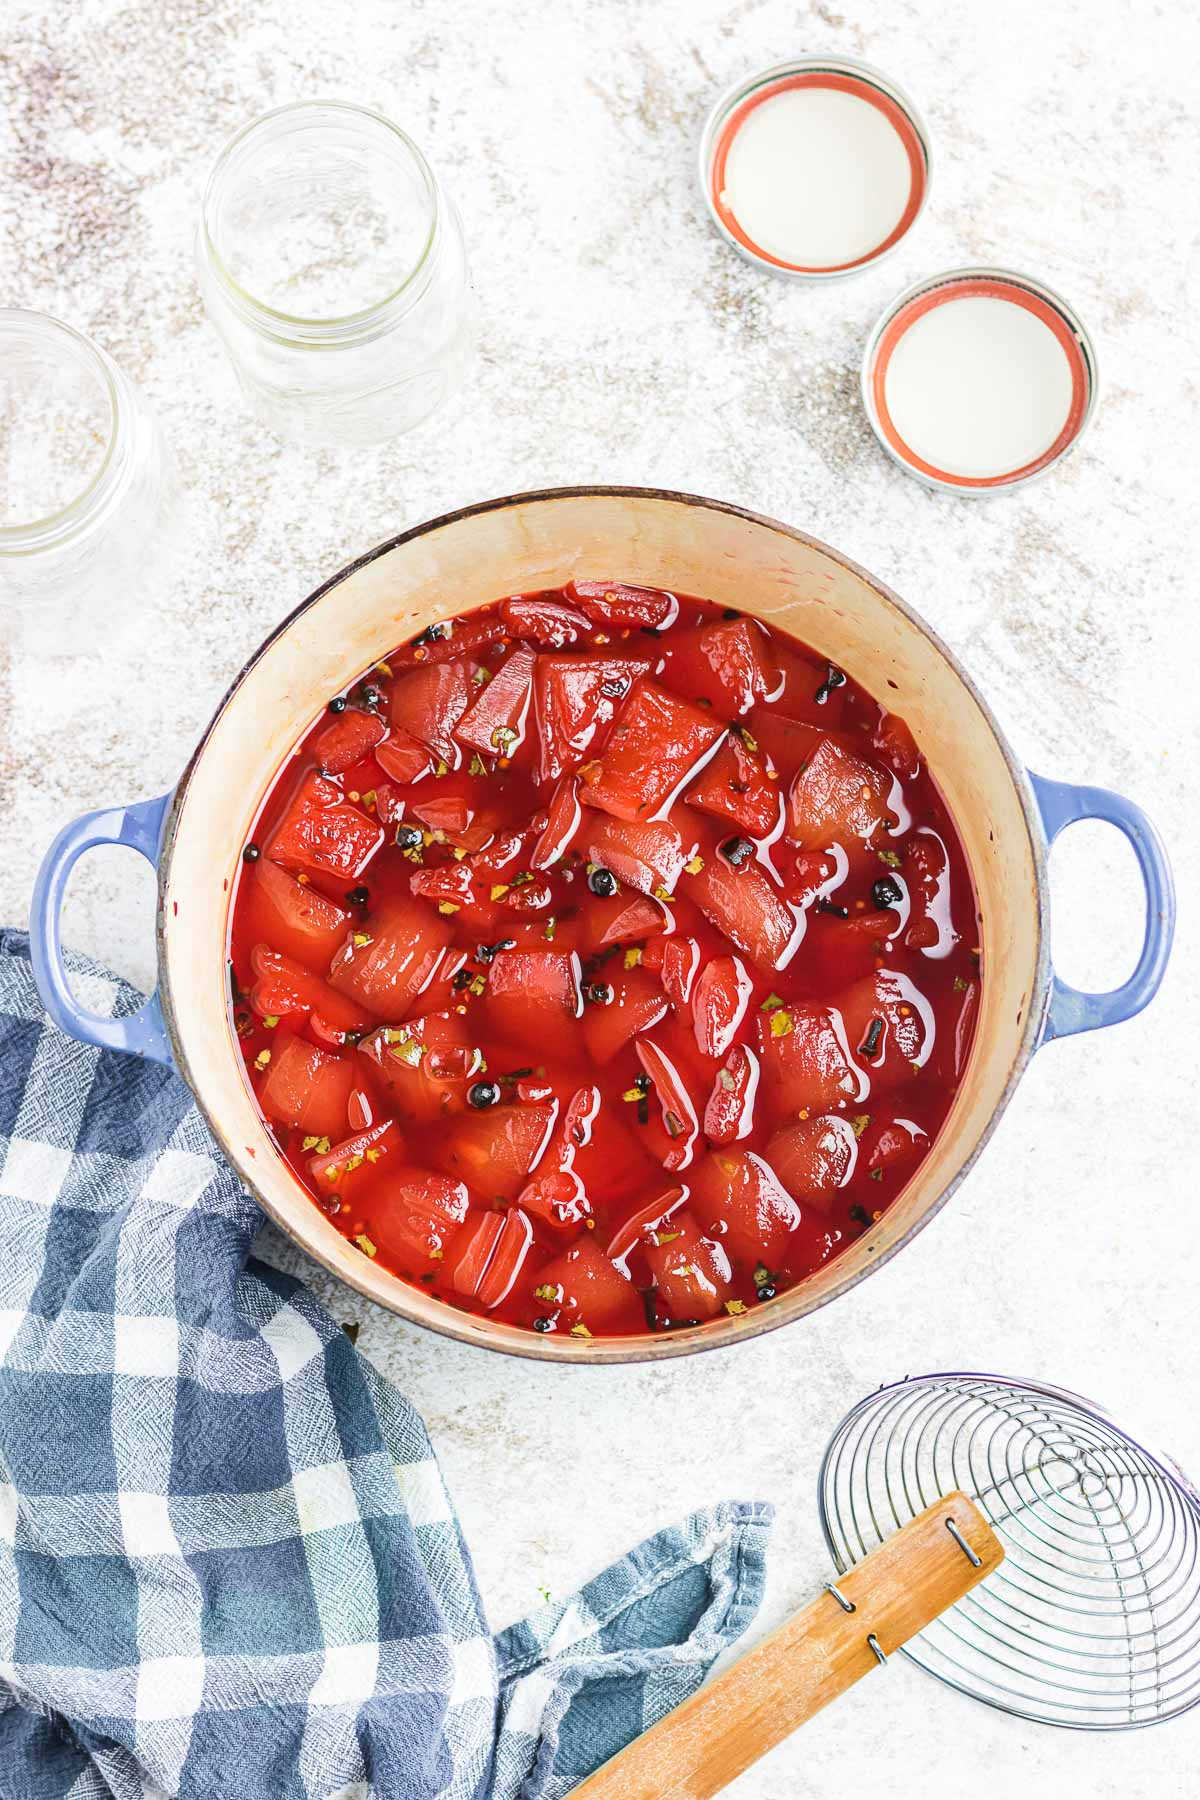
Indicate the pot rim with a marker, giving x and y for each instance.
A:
(714, 1334)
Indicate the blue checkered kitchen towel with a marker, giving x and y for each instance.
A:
(229, 1568)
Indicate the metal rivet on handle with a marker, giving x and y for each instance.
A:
(976, 1562)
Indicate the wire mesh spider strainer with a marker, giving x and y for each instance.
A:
(1093, 1619)
(1008, 1537)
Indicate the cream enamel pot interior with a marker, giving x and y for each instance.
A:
(532, 541)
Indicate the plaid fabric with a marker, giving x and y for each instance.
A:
(228, 1563)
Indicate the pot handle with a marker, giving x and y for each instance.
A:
(1061, 803)
(140, 827)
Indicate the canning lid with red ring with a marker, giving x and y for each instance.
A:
(979, 379)
(831, 118)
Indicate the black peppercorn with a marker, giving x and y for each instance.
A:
(483, 1093)
(251, 853)
(371, 695)
(737, 851)
(543, 1324)
(358, 896)
(599, 993)
(766, 1292)
(834, 679)
(886, 892)
(603, 882)
(485, 952)
(338, 704)
(462, 980)
(408, 837)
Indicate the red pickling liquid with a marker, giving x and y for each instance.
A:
(604, 1111)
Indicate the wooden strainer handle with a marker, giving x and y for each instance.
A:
(808, 1661)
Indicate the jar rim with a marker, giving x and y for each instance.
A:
(272, 319)
(33, 535)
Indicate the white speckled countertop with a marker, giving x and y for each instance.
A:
(622, 341)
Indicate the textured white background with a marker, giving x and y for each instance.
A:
(622, 341)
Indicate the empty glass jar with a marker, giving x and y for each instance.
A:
(332, 264)
(87, 490)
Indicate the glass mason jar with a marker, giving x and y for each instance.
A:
(87, 488)
(332, 264)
